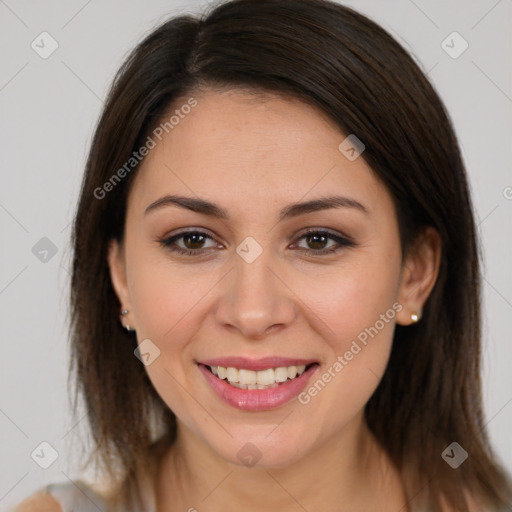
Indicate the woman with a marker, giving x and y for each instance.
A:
(275, 285)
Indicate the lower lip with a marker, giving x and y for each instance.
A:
(258, 399)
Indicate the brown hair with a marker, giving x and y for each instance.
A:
(350, 68)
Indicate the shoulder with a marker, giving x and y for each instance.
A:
(39, 502)
(62, 497)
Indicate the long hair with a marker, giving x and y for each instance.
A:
(348, 67)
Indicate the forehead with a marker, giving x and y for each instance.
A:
(238, 146)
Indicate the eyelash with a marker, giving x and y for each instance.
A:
(341, 241)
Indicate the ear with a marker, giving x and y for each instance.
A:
(419, 275)
(116, 263)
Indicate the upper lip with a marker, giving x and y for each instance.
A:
(263, 363)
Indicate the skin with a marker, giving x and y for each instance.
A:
(254, 155)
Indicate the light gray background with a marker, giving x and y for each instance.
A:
(48, 108)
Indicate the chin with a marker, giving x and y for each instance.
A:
(264, 450)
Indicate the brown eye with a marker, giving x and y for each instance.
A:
(193, 240)
(317, 242)
(191, 243)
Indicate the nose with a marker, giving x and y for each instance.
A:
(256, 299)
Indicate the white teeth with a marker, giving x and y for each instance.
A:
(231, 374)
(245, 376)
(265, 377)
(261, 379)
(281, 374)
(292, 371)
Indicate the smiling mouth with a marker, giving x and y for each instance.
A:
(261, 379)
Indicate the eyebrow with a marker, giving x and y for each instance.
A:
(294, 210)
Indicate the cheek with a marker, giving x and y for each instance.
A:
(357, 307)
(353, 302)
(165, 296)
(166, 302)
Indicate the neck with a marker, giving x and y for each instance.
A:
(347, 473)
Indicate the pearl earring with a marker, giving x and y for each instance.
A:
(124, 312)
(416, 316)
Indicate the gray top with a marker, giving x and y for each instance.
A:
(77, 496)
(76, 499)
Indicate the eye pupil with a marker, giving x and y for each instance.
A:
(315, 237)
(193, 236)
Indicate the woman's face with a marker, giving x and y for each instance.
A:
(255, 292)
